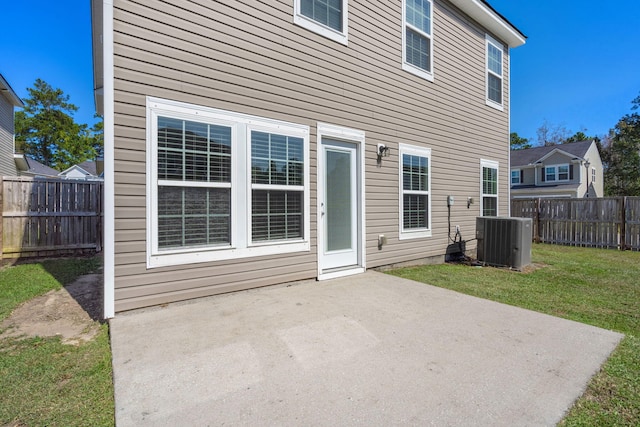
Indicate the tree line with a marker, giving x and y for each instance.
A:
(46, 131)
(619, 150)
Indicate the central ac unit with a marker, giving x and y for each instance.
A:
(504, 242)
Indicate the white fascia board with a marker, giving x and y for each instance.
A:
(9, 93)
(491, 21)
(97, 36)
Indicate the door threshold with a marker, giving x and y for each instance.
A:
(340, 272)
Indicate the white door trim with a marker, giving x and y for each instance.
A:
(356, 137)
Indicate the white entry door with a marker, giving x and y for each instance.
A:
(339, 206)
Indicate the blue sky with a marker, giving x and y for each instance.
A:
(579, 69)
(52, 41)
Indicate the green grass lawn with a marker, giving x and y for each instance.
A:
(42, 381)
(599, 287)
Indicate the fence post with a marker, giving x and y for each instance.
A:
(536, 220)
(623, 224)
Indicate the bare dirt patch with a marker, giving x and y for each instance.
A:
(73, 313)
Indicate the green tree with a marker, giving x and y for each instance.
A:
(519, 143)
(579, 137)
(97, 133)
(46, 131)
(622, 156)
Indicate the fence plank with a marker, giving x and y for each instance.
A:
(49, 217)
(611, 222)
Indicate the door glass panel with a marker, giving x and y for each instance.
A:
(338, 209)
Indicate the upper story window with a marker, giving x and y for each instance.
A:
(515, 176)
(593, 175)
(329, 18)
(223, 185)
(489, 188)
(415, 192)
(494, 73)
(557, 173)
(417, 37)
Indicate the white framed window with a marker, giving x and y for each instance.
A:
(515, 176)
(550, 173)
(488, 188)
(563, 173)
(329, 18)
(494, 73)
(415, 191)
(417, 37)
(593, 175)
(557, 173)
(223, 185)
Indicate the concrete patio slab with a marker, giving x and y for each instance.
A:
(363, 350)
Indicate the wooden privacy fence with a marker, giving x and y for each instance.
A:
(610, 222)
(49, 217)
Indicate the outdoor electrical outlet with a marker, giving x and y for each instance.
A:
(457, 228)
(449, 200)
(382, 240)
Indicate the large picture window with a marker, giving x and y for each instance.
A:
(489, 188)
(417, 36)
(223, 185)
(415, 191)
(329, 18)
(494, 73)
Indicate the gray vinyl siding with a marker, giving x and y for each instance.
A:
(249, 57)
(7, 164)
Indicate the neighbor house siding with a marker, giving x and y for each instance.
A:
(7, 164)
(201, 52)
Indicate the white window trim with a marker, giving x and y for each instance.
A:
(494, 165)
(491, 103)
(323, 30)
(406, 66)
(511, 177)
(593, 175)
(556, 173)
(241, 126)
(418, 232)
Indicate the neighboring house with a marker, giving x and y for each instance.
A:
(255, 143)
(86, 170)
(32, 168)
(567, 170)
(8, 157)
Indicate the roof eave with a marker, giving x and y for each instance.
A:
(98, 59)
(9, 93)
(489, 18)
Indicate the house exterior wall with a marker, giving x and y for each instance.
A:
(250, 58)
(7, 164)
(529, 176)
(596, 189)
